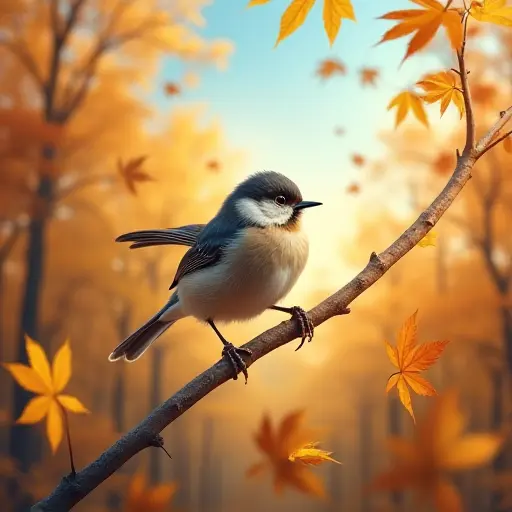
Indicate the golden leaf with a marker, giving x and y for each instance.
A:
(428, 239)
(26, 377)
(54, 425)
(311, 454)
(329, 67)
(334, 12)
(61, 367)
(38, 361)
(252, 3)
(406, 101)
(492, 11)
(444, 87)
(35, 410)
(293, 18)
(72, 404)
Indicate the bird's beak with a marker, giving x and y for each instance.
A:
(306, 204)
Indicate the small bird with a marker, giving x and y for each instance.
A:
(244, 261)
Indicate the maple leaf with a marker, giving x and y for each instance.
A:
(141, 497)
(406, 101)
(132, 173)
(329, 67)
(439, 445)
(507, 144)
(358, 160)
(334, 12)
(444, 87)
(369, 76)
(411, 359)
(444, 163)
(429, 239)
(277, 444)
(48, 384)
(171, 89)
(425, 22)
(311, 454)
(252, 3)
(353, 188)
(492, 11)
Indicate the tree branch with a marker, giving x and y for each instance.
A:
(71, 490)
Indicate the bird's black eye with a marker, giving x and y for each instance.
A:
(280, 200)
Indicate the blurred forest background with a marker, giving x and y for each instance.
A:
(75, 126)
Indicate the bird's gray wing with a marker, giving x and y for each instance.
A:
(206, 252)
(184, 235)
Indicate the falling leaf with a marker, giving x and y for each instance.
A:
(492, 11)
(444, 163)
(429, 239)
(507, 144)
(411, 359)
(329, 67)
(444, 87)
(425, 22)
(438, 446)
(142, 498)
(358, 160)
(132, 172)
(369, 76)
(339, 131)
(334, 12)
(353, 188)
(172, 89)
(277, 444)
(49, 384)
(312, 455)
(406, 101)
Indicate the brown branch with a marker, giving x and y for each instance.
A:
(70, 491)
(498, 141)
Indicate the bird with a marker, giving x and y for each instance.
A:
(238, 265)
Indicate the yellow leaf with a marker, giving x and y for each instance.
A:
(428, 239)
(61, 368)
(392, 382)
(392, 354)
(54, 427)
(27, 378)
(406, 101)
(492, 11)
(445, 87)
(310, 454)
(406, 340)
(39, 362)
(419, 384)
(72, 404)
(471, 451)
(252, 3)
(334, 12)
(294, 17)
(405, 396)
(35, 410)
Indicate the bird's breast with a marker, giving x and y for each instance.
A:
(257, 270)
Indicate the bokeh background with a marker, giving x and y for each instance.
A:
(199, 90)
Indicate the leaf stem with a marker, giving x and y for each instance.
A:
(68, 437)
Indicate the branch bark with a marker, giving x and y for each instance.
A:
(71, 490)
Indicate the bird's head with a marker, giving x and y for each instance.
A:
(268, 199)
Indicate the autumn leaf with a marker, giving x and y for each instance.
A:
(444, 163)
(406, 101)
(329, 67)
(507, 144)
(438, 446)
(252, 3)
(492, 11)
(369, 76)
(429, 239)
(425, 22)
(353, 188)
(277, 445)
(141, 497)
(171, 89)
(444, 87)
(312, 455)
(358, 160)
(411, 359)
(132, 173)
(48, 383)
(294, 16)
(334, 12)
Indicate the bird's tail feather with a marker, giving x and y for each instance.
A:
(138, 342)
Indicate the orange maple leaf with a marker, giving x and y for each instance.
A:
(353, 188)
(329, 67)
(439, 445)
(358, 160)
(132, 173)
(411, 359)
(277, 445)
(369, 76)
(48, 383)
(444, 87)
(172, 89)
(142, 498)
(425, 22)
(406, 101)
(444, 163)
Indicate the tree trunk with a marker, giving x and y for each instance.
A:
(25, 441)
(157, 353)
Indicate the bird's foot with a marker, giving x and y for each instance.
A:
(307, 329)
(234, 357)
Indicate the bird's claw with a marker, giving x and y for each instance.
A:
(307, 329)
(234, 357)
